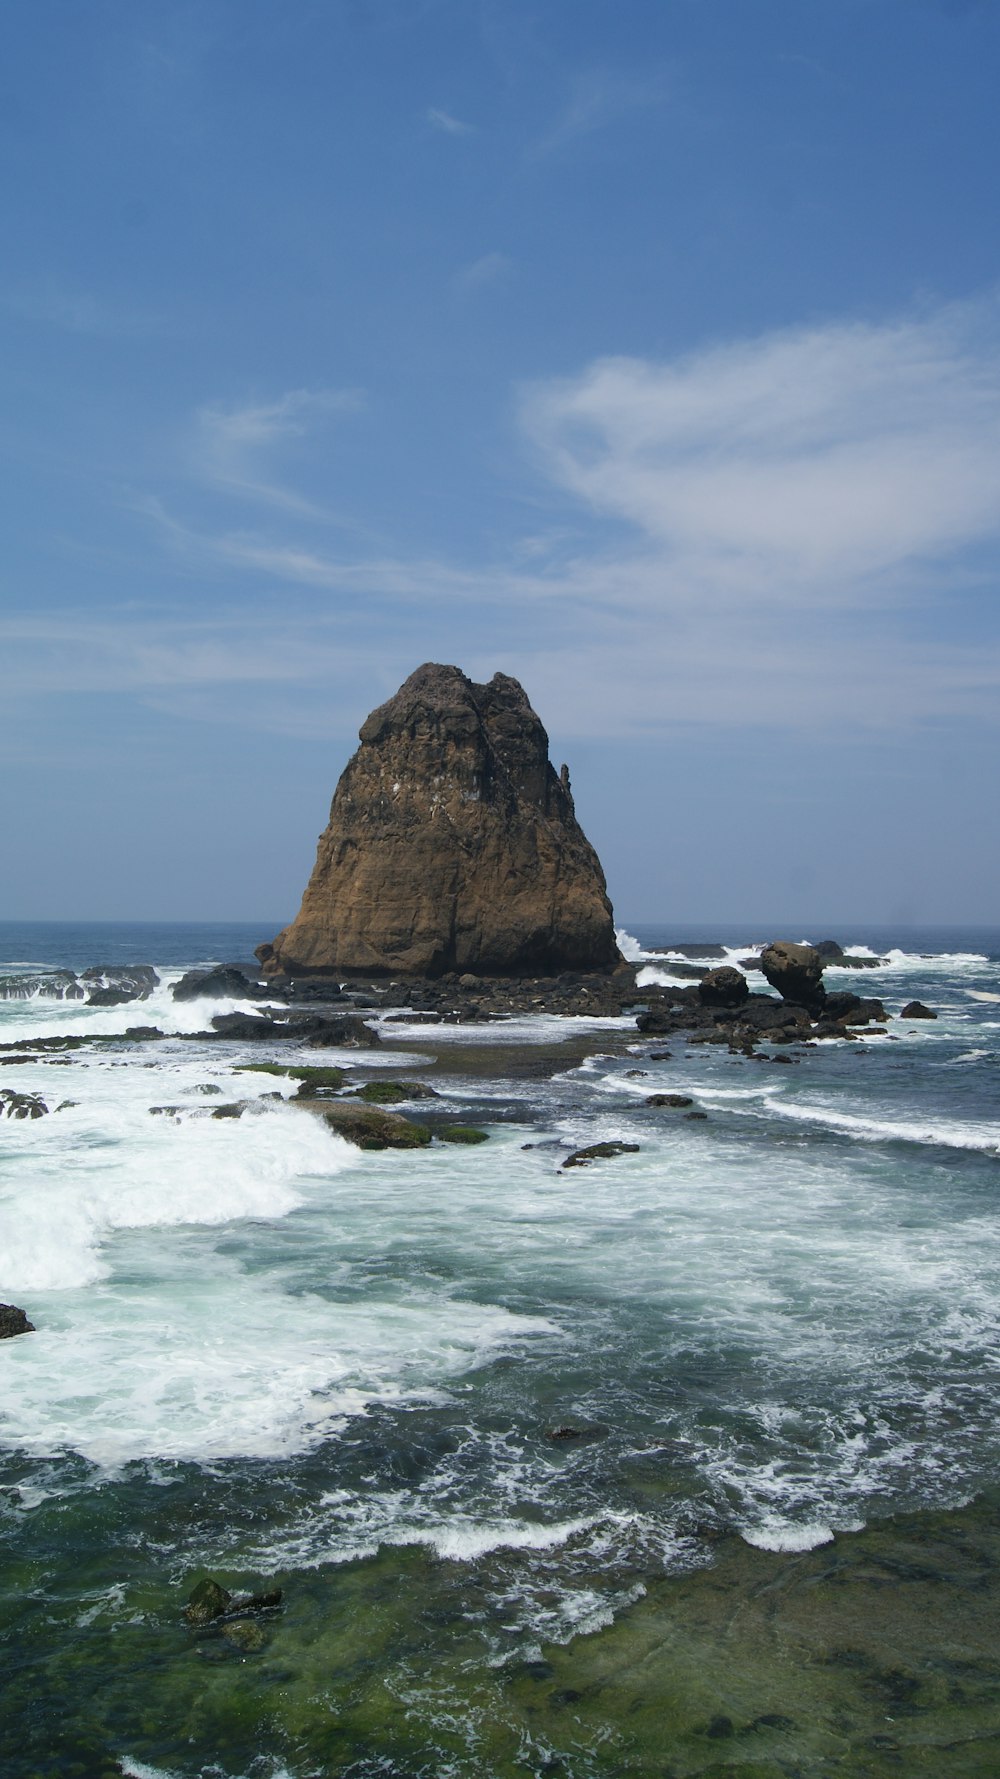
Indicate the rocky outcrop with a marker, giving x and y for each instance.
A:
(917, 1010)
(452, 845)
(796, 971)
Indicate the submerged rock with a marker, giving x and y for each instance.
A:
(599, 1152)
(210, 1601)
(13, 1321)
(452, 845)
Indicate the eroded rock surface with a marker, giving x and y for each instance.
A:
(452, 845)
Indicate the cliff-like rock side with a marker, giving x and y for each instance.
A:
(452, 845)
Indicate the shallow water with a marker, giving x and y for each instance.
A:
(262, 1354)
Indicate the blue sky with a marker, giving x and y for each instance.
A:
(648, 351)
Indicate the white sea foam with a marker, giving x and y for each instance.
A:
(544, 1028)
(96, 1168)
(786, 1535)
(652, 975)
(940, 1132)
(140, 1769)
(212, 1363)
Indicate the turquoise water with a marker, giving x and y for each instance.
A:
(262, 1354)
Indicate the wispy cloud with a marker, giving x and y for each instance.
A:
(600, 97)
(487, 269)
(792, 530)
(810, 465)
(234, 444)
(444, 121)
(74, 310)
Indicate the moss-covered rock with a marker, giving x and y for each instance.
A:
(461, 1133)
(308, 1074)
(393, 1093)
(369, 1127)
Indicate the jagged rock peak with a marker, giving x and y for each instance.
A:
(452, 845)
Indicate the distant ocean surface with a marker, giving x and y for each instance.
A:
(264, 1355)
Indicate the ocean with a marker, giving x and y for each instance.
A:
(490, 1424)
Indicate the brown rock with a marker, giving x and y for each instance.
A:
(452, 845)
(796, 971)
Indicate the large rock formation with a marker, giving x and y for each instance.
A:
(452, 845)
(796, 971)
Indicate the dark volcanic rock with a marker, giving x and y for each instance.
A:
(223, 984)
(56, 985)
(21, 1105)
(307, 1028)
(796, 971)
(723, 988)
(599, 1152)
(916, 1010)
(452, 845)
(134, 980)
(13, 1321)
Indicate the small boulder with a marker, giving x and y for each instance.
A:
(725, 987)
(669, 1099)
(13, 1321)
(917, 1010)
(244, 1635)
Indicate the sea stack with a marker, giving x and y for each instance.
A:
(452, 845)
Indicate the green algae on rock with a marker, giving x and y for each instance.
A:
(369, 1127)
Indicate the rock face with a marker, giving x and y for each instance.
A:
(452, 845)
